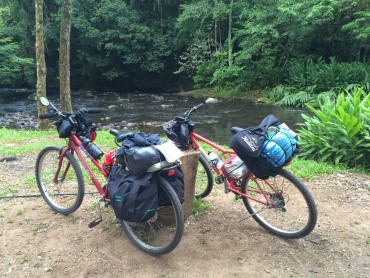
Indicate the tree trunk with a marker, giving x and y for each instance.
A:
(229, 33)
(189, 168)
(40, 62)
(216, 23)
(64, 56)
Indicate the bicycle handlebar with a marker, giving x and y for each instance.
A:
(48, 115)
(188, 113)
(80, 112)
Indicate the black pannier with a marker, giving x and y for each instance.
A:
(175, 178)
(133, 198)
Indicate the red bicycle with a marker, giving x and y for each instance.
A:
(61, 181)
(282, 204)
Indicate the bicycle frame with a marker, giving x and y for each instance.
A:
(75, 146)
(229, 184)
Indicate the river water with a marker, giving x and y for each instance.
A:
(148, 112)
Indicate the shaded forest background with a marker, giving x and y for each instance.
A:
(171, 45)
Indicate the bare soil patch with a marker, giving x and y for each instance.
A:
(35, 242)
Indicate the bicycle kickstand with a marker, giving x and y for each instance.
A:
(250, 215)
(100, 216)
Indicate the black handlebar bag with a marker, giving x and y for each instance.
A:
(247, 144)
(64, 128)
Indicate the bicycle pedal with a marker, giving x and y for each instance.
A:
(95, 222)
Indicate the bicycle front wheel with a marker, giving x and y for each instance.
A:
(61, 187)
(290, 211)
(163, 232)
(204, 179)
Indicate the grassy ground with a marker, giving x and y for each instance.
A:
(18, 142)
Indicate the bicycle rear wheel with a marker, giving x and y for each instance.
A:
(204, 179)
(63, 191)
(291, 211)
(163, 232)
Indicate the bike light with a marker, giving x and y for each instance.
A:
(171, 172)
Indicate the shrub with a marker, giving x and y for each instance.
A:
(339, 130)
(326, 76)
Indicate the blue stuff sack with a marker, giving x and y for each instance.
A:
(279, 148)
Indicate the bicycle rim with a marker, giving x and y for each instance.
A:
(62, 194)
(291, 212)
(204, 179)
(163, 232)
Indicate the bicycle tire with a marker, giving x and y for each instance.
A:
(204, 179)
(291, 212)
(66, 195)
(163, 232)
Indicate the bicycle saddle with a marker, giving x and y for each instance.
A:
(120, 134)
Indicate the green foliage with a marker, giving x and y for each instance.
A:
(204, 75)
(310, 82)
(200, 207)
(360, 29)
(325, 76)
(11, 65)
(134, 44)
(339, 131)
(119, 41)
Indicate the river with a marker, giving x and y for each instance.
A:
(148, 112)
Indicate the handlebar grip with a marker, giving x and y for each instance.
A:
(113, 131)
(198, 106)
(93, 110)
(48, 115)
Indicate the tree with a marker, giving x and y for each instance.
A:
(230, 33)
(64, 56)
(40, 62)
(360, 28)
(11, 64)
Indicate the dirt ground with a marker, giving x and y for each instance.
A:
(35, 242)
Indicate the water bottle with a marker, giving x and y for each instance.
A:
(108, 162)
(91, 148)
(216, 161)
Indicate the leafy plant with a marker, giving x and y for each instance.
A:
(288, 96)
(339, 131)
(200, 207)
